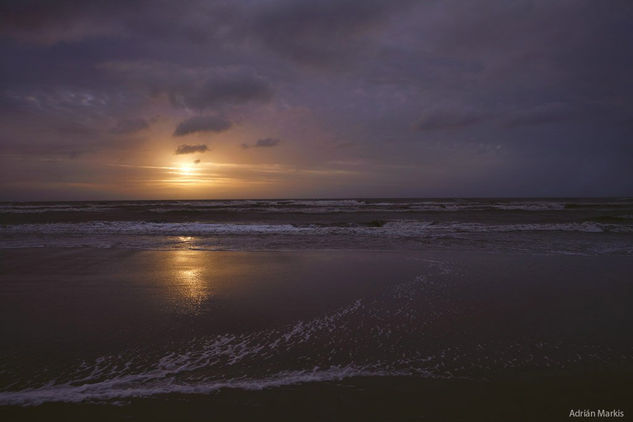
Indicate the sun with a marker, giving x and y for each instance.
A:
(185, 169)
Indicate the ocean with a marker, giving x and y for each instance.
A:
(573, 226)
(372, 309)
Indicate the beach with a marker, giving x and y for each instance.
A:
(333, 210)
(117, 333)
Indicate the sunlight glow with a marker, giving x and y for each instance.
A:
(186, 169)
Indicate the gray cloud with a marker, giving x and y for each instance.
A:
(449, 119)
(267, 142)
(542, 114)
(535, 115)
(263, 143)
(202, 124)
(194, 87)
(321, 33)
(42, 21)
(191, 149)
(130, 126)
(46, 22)
(232, 89)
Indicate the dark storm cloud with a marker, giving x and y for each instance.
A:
(543, 114)
(191, 149)
(449, 119)
(49, 22)
(194, 87)
(61, 20)
(548, 113)
(202, 124)
(267, 142)
(130, 126)
(544, 52)
(263, 143)
(231, 90)
(323, 32)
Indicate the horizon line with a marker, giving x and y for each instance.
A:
(333, 198)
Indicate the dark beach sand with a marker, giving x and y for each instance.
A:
(509, 336)
(538, 398)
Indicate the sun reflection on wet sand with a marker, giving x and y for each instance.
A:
(192, 286)
(189, 279)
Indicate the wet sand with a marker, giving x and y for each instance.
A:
(543, 398)
(480, 336)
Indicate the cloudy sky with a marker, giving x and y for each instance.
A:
(330, 98)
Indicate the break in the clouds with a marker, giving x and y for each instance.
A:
(202, 124)
(191, 149)
(440, 98)
(263, 143)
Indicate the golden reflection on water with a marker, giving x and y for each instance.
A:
(194, 278)
(189, 278)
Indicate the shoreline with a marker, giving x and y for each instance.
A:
(514, 330)
(545, 397)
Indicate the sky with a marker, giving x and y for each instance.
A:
(139, 99)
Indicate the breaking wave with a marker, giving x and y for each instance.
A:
(396, 228)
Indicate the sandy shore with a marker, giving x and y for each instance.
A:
(474, 336)
(544, 398)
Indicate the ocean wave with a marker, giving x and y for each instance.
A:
(394, 228)
(53, 208)
(318, 206)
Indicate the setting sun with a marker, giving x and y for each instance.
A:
(185, 169)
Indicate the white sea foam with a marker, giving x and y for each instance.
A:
(116, 388)
(210, 364)
(337, 342)
(396, 228)
(530, 206)
(142, 228)
(110, 378)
